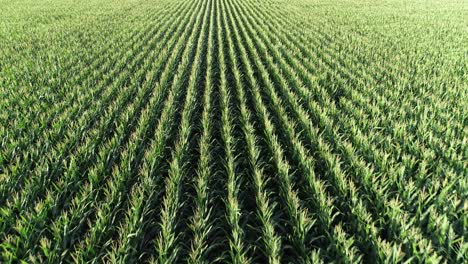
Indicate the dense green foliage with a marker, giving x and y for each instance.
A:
(238, 131)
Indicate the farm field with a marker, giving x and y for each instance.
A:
(233, 131)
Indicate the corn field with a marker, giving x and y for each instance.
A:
(233, 131)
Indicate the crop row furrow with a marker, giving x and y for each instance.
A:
(201, 220)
